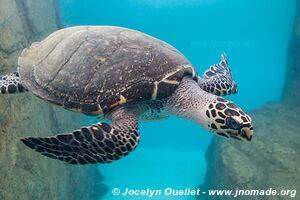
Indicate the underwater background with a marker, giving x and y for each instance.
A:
(260, 39)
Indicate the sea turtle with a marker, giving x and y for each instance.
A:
(124, 76)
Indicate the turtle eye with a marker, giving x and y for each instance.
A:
(232, 123)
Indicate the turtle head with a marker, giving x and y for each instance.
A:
(214, 113)
(228, 120)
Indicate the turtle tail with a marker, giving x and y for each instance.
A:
(10, 84)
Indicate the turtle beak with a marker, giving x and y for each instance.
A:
(246, 133)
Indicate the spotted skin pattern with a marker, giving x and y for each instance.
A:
(218, 79)
(11, 84)
(228, 120)
(151, 110)
(99, 143)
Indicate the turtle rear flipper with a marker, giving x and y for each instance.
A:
(218, 79)
(11, 84)
(99, 143)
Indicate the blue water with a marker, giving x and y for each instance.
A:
(253, 33)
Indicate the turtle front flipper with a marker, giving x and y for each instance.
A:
(99, 143)
(218, 79)
(11, 84)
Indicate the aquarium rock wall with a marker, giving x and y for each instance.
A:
(291, 91)
(272, 159)
(24, 173)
